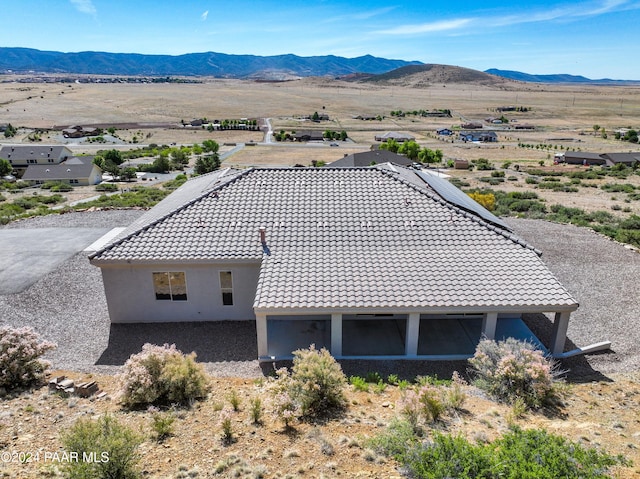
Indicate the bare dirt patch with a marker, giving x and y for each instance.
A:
(599, 414)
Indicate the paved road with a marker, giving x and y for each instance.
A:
(28, 254)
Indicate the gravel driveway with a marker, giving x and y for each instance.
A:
(68, 306)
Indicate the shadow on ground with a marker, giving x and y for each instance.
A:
(211, 341)
(578, 369)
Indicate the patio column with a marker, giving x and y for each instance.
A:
(559, 334)
(413, 334)
(489, 322)
(336, 335)
(261, 331)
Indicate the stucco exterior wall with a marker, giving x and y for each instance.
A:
(131, 295)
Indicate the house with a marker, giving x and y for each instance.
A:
(481, 136)
(394, 135)
(77, 171)
(445, 132)
(308, 135)
(77, 131)
(471, 126)
(379, 262)
(22, 156)
(368, 158)
(627, 159)
(580, 158)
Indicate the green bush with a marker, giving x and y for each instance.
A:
(162, 424)
(112, 446)
(517, 454)
(314, 388)
(161, 375)
(109, 187)
(359, 383)
(317, 381)
(513, 369)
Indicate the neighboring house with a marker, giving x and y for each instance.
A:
(627, 159)
(445, 132)
(379, 262)
(368, 158)
(580, 158)
(22, 156)
(471, 126)
(394, 135)
(481, 136)
(80, 131)
(308, 135)
(77, 171)
(523, 126)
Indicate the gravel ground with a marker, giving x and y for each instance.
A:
(68, 306)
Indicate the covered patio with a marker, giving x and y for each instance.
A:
(425, 336)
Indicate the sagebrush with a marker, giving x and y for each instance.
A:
(513, 369)
(21, 350)
(104, 449)
(161, 375)
(314, 387)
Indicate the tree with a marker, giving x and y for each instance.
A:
(390, 145)
(179, 158)
(10, 131)
(160, 165)
(410, 149)
(212, 146)
(207, 164)
(5, 167)
(596, 128)
(128, 174)
(315, 116)
(114, 156)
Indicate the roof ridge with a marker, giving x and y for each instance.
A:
(172, 212)
(434, 196)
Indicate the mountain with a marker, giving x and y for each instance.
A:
(20, 60)
(428, 74)
(559, 78)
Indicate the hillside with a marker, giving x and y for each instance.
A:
(429, 74)
(558, 78)
(17, 60)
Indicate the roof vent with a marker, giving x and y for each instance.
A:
(263, 234)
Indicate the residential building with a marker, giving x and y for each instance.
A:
(379, 262)
(76, 171)
(22, 156)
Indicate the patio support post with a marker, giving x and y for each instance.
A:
(489, 322)
(413, 334)
(559, 334)
(336, 335)
(261, 331)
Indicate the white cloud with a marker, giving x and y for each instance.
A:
(84, 6)
(204, 15)
(441, 26)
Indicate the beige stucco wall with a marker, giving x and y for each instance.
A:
(131, 297)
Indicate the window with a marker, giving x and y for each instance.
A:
(74, 182)
(170, 286)
(32, 162)
(226, 286)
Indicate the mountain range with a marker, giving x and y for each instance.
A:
(221, 65)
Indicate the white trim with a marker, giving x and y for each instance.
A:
(336, 335)
(412, 335)
(489, 323)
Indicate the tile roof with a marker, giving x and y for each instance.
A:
(74, 168)
(343, 238)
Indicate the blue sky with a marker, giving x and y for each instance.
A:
(596, 38)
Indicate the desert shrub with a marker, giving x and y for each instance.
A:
(226, 426)
(517, 454)
(20, 353)
(161, 423)
(497, 174)
(317, 381)
(512, 369)
(399, 438)
(315, 386)
(106, 187)
(113, 446)
(423, 404)
(488, 200)
(255, 409)
(359, 383)
(161, 375)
